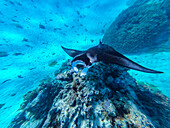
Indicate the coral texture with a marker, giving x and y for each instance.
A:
(143, 27)
(107, 97)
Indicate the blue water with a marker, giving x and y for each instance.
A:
(32, 32)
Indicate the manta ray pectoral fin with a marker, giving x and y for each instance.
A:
(72, 52)
(124, 61)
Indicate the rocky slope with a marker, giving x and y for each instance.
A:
(143, 27)
(107, 97)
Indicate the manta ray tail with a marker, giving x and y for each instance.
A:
(124, 61)
(72, 52)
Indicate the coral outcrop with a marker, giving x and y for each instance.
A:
(143, 27)
(106, 97)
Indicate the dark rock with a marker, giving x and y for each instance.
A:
(74, 101)
(66, 76)
(143, 27)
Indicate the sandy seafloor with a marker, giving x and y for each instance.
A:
(71, 24)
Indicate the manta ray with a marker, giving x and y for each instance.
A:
(102, 53)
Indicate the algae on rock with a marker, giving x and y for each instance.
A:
(143, 27)
(106, 97)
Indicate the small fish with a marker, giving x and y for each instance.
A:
(18, 54)
(102, 53)
(5, 81)
(41, 26)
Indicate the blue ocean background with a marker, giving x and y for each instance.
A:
(31, 35)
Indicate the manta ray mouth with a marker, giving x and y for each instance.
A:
(75, 63)
(80, 62)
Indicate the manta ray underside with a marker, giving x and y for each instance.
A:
(105, 54)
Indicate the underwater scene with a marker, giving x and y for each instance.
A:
(85, 64)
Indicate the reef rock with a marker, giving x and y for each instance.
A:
(107, 97)
(143, 27)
